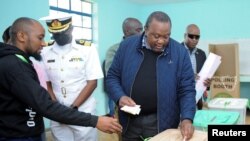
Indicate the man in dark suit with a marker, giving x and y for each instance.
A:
(197, 56)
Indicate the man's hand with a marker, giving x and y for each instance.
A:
(196, 77)
(207, 82)
(187, 129)
(108, 125)
(125, 100)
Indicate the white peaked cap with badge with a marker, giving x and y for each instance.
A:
(58, 22)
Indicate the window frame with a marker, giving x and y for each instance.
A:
(82, 14)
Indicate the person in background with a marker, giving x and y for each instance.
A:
(73, 69)
(6, 35)
(23, 101)
(197, 56)
(130, 26)
(153, 68)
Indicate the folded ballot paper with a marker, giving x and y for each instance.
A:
(207, 71)
(135, 110)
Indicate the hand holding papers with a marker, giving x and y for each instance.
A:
(210, 66)
(135, 110)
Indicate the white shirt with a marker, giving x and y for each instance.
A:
(69, 67)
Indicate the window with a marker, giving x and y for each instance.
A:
(81, 12)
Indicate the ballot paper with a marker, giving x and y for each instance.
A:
(135, 110)
(207, 71)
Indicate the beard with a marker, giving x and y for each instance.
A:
(30, 52)
(63, 39)
(37, 56)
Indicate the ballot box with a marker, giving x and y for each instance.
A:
(203, 118)
(230, 104)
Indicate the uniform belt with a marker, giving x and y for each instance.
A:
(63, 90)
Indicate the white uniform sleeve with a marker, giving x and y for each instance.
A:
(93, 66)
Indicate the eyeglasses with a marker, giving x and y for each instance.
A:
(192, 36)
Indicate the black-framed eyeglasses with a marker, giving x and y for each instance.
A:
(192, 36)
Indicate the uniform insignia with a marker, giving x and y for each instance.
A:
(76, 59)
(51, 61)
(56, 23)
(83, 42)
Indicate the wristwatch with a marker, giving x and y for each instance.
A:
(73, 107)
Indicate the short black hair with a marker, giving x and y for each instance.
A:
(159, 16)
(6, 35)
(20, 24)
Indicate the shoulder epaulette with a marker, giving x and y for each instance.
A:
(50, 43)
(83, 42)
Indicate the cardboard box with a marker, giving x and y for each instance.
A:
(226, 81)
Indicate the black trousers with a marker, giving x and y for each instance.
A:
(39, 138)
(141, 127)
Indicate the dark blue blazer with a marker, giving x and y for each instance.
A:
(200, 57)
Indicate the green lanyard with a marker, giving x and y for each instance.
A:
(145, 139)
(22, 58)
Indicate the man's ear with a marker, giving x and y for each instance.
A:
(21, 36)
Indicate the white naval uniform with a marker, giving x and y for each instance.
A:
(68, 68)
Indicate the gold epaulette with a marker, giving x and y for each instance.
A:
(83, 42)
(50, 43)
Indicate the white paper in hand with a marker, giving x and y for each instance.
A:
(135, 110)
(210, 66)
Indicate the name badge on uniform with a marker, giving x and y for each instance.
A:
(51, 61)
(76, 59)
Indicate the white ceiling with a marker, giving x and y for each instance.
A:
(158, 1)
